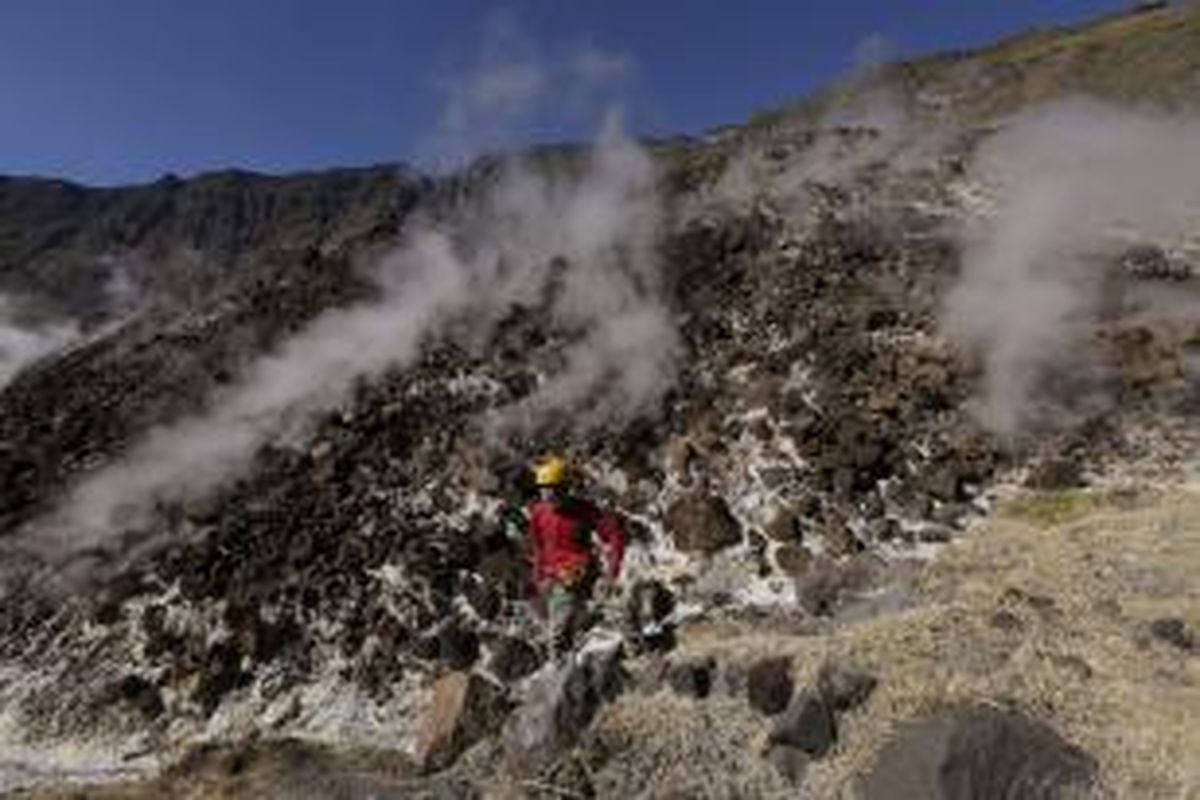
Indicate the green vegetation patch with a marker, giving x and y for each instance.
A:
(1053, 508)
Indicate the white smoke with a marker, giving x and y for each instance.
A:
(865, 121)
(23, 341)
(1073, 183)
(602, 229)
(311, 372)
(582, 235)
(516, 89)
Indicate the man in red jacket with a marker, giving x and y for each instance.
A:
(568, 538)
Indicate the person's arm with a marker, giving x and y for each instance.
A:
(612, 536)
(516, 525)
(534, 533)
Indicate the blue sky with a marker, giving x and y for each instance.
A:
(117, 91)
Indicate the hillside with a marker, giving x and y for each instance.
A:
(895, 388)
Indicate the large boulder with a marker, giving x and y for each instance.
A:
(560, 703)
(466, 707)
(791, 762)
(978, 753)
(1174, 632)
(827, 584)
(769, 685)
(648, 616)
(808, 725)
(513, 658)
(692, 678)
(845, 689)
(702, 523)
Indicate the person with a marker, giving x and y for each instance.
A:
(574, 548)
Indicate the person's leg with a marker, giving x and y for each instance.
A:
(560, 611)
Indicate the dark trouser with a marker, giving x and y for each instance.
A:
(567, 607)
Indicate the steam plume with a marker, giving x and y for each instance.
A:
(583, 237)
(1072, 182)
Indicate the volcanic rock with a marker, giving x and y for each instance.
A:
(769, 684)
(827, 584)
(465, 708)
(845, 689)
(1172, 631)
(791, 762)
(513, 658)
(978, 753)
(793, 559)
(559, 704)
(647, 614)
(702, 523)
(692, 678)
(807, 724)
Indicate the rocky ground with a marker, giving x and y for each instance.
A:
(342, 617)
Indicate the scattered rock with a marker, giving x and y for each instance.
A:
(466, 707)
(1044, 605)
(807, 725)
(829, 584)
(222, 674)
(647, 616)
(731, 679)
(792, 762)
(769, 685)
(783, 526)
(793, 559)
(1150, 262)
(1172, 631)
(1145, 356)
(701, 523)
(692, 678)
(977, 753)
(845, 689)
(142, 695)
(1056, 474)
(1007, 621)
(561, 702)
(513, 658)
(455, 646)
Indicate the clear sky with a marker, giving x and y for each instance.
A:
(116, 91)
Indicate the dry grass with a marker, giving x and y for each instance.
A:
(668, 746)
(1148, 58)
(1044, 611)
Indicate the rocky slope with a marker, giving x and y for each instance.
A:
(249, 512)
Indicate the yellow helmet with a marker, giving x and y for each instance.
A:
(550, 471)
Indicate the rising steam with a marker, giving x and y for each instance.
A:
(584, 237)
(1073, 184)
(23, 341)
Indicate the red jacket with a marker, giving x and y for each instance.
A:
(560, 536)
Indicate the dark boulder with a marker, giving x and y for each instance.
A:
(769, 685)
(978, 753)
(692, 678)
(1056, 474)
(702, 523)
(647, 616)
(791, 762)
(142, 695)
(827, 585)
(560, 704)
(793, 559)
(1172, 631)
(513, 658)
(465, 708)
(808, 725)
(845, 689)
